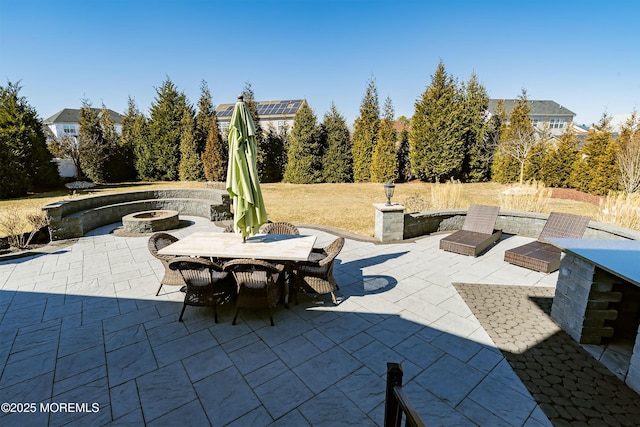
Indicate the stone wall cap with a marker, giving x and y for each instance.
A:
(383, 207)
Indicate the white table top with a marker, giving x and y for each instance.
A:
(282, 247)
(619, 257)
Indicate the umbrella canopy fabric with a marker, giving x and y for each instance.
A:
(242, 173)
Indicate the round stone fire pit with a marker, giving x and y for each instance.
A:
(150, 221)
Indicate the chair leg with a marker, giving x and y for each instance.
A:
(158, 293)
(333, 297)
(271, 317)
(182, 312)
(236, 316)
(215, 313)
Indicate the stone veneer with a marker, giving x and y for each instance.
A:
(589, 306)
(389, 224)
(527, 224)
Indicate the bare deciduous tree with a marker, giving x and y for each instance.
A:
(628, 154)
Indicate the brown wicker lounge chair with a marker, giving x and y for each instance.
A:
(207, 284)
(259, 284)
(543, 256)
(316, 275)
(477, 232)
(156, 242)
(279, 228)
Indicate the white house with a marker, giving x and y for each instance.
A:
(542, 112)
(277, 115)
(67, 122)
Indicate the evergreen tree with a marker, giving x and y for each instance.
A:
(93, 148)
(365, 133)
(118, 166)
(135, 140)
(384, 162)
(215, 155)
(535, 162)
(273, 160)
(519, 141)
(261, 140)
(404, 162)
(337, 163)
(596, 170)
(165, 128)
(477, 134)
(204, 116)
(304, 155)
(190, 168)
(558, 161)
(437, 130)
(25, 162)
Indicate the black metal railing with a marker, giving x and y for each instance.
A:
(397, 402)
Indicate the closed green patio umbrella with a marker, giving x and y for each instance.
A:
(243, 186)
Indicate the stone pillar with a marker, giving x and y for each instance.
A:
(633, 376)
(389, 222)
(572, 295)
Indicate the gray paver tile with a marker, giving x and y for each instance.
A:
(282, 394)
(222, 405)
(164, 390)
(365, 388)
(205, 363)
(508, 404)
(130, 362)
(124, 399)
(293, 418)
(185, 346)
(333, 408)
(334, 365)
(449, 379)
(188, 415)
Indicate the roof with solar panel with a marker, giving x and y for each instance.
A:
(266, 109)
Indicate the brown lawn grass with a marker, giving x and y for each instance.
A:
(344, 206)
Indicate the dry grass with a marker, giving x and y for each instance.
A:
(345, 206)
(531, 196)
(620, 209)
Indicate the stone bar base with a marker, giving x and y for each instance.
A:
(389, 222)
(591, 304)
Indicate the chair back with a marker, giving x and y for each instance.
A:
(279, 228)
(332, 251)
(158, 241)
(196, 271)
(481, 219)
(229, 229)
(563, 225)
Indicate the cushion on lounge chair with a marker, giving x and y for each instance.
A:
(542, 256)
(477, 232)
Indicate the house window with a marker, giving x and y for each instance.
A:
(556, 123)
(69, 129)
(224, 127)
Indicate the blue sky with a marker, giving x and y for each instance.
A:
(585, 55)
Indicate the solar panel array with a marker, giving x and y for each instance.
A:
(268, 108)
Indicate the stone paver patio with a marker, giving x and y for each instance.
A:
(82, 325)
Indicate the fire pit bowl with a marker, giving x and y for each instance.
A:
(150, 221)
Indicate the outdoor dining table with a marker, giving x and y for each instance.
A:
(272, 247)
(286, 248)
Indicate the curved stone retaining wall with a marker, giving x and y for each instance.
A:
(528, 224)
(75, 217)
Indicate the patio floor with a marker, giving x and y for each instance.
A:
(82, 325)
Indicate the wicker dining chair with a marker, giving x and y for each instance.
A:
(259, 284)
(279, 228)
(207, 284)
(316, 275)
(156, 242)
